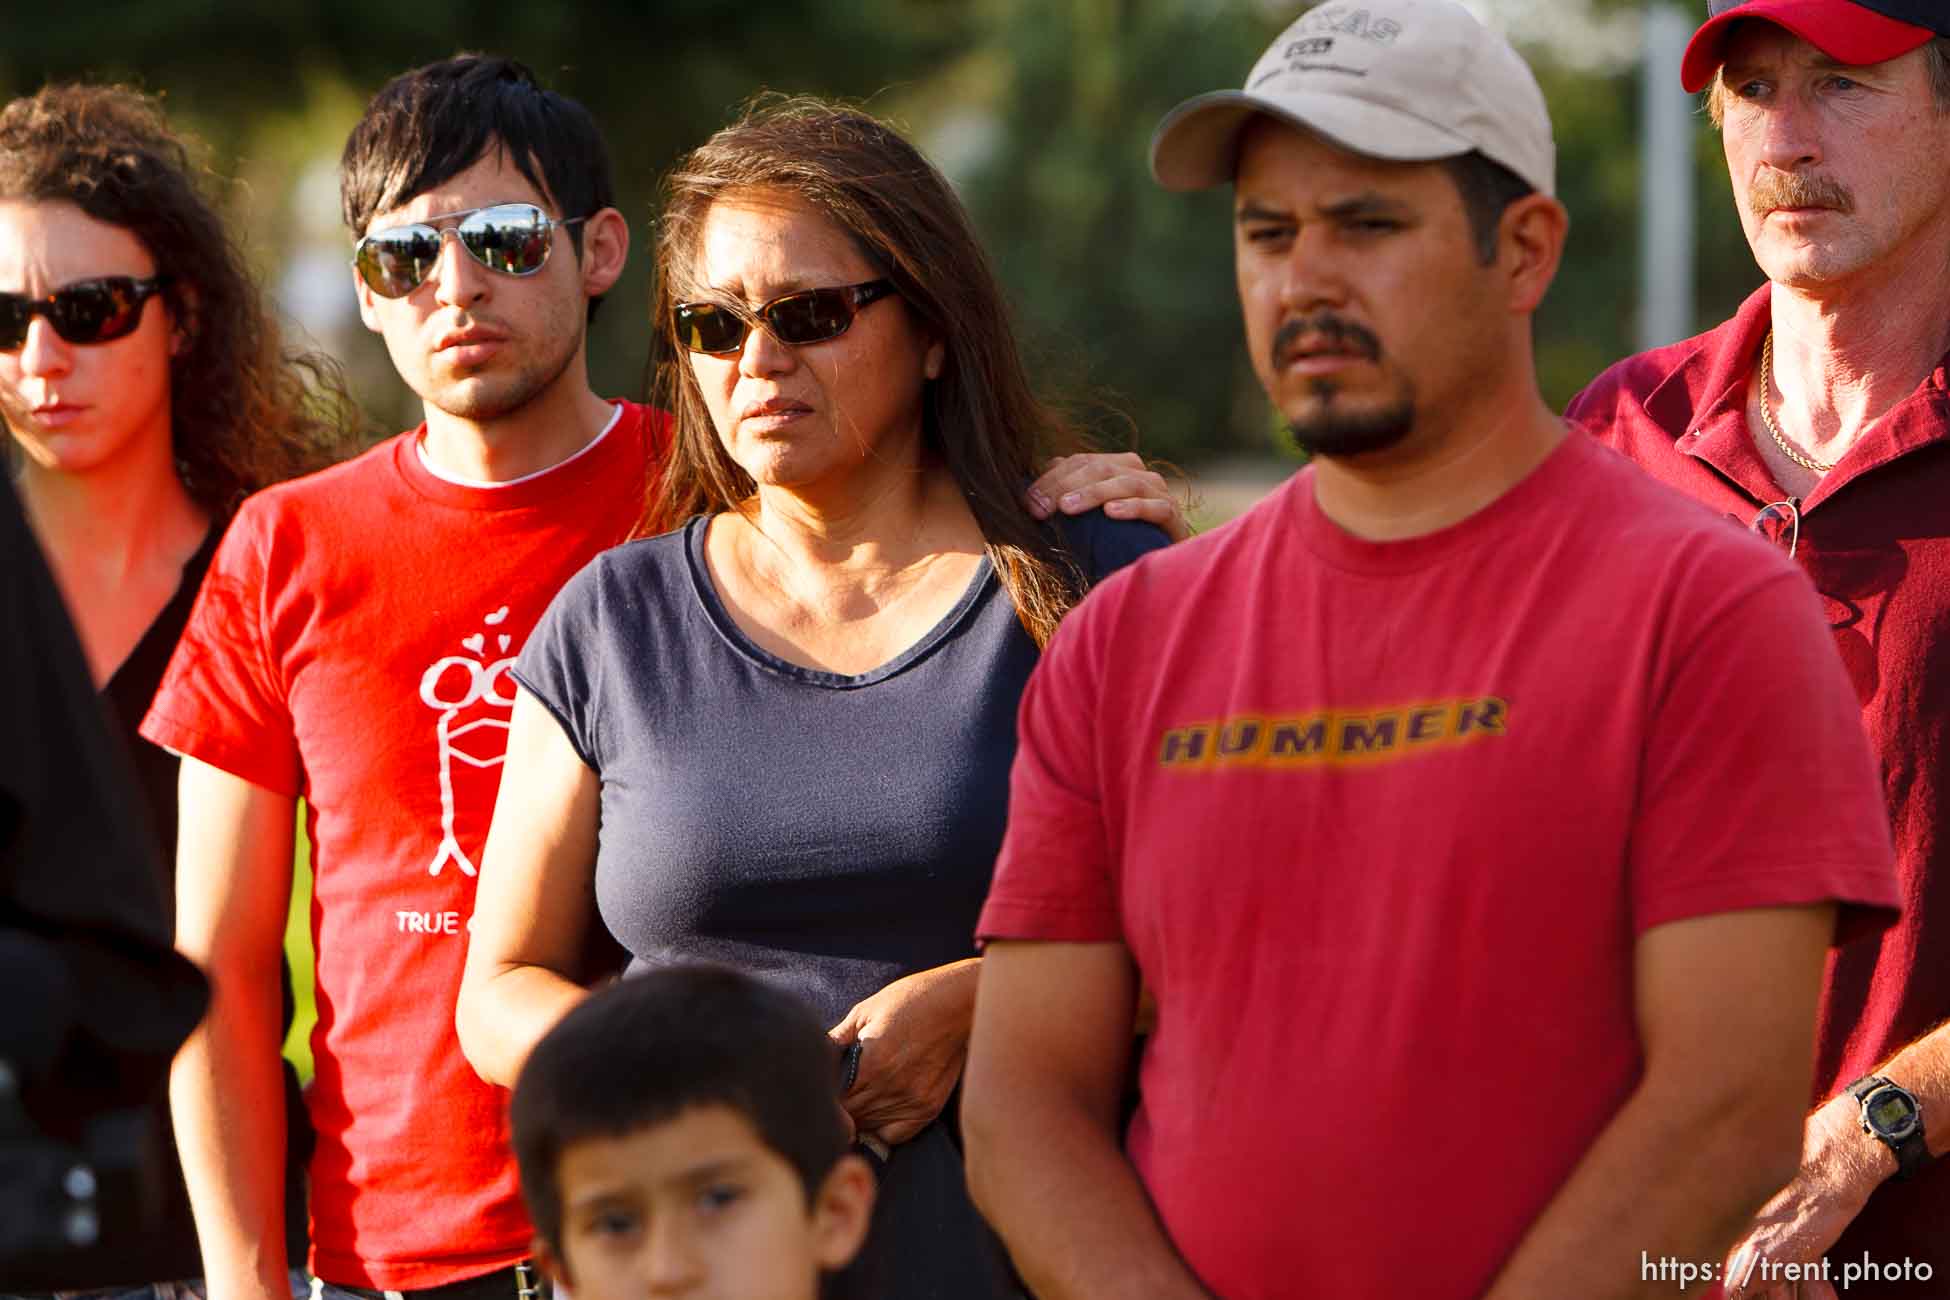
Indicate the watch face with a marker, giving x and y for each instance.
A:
(1892, 1113)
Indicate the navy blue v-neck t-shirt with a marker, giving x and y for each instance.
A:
(830, 833)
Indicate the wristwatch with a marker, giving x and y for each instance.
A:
(1892, 1116)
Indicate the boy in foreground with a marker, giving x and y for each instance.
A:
(681, 1134)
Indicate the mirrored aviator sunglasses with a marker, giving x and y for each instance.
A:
(512, 238)
(88, 311)
(810, 316)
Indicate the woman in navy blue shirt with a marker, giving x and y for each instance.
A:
(779, 737)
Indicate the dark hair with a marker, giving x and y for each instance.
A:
(243, 414)
(427, 126)
(1487, 188)
(980, 417)
(639, 1053)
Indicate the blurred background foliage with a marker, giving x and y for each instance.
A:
(1041, 110)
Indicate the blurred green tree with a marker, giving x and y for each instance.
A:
(1125, 290)
(1590, 318)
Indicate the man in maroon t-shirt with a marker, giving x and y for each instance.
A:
(1820, 414)
(1477, 811)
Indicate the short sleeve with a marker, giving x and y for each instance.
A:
(1054, 879)
(223, 698)
(560, 664)
(1758, 787)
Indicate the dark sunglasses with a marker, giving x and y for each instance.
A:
(809, 316)
(88, 311)
(512, 238)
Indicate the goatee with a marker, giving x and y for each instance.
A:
(1340, 433)
(1330, 432)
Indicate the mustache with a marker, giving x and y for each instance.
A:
(1776, 189)
(1335, 331)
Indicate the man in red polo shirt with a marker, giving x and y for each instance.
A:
(1819, 414)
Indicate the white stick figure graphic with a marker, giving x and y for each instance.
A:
(481, 680)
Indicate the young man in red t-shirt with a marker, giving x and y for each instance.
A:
(351, 646)
(1477, 811)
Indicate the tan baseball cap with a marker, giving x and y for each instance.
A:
(1405, 80)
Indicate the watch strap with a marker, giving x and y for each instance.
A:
(1913, 1152)
(1865, 1085)
(1912, 1155)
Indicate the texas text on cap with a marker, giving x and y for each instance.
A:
(1404, 80)
(1858, 32)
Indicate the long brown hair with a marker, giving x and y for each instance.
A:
(243, 414)
(981, 417)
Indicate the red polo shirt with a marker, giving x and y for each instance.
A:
(1875, 537)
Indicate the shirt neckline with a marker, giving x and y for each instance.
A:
(1342, 549)
(168, 624)
(594, 460)
(734, 636)
(1714, 428)
(502, 485)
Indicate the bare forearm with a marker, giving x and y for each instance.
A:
(1674, 1176)
(1924, 1069)
(503, 1014)
(226, 1092)
(1842, 1166)
(1850, 1164)
(1078, 1223)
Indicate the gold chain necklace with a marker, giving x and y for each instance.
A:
(1767, 416)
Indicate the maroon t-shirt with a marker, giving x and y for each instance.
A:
(1381, 825)
(1875, 537)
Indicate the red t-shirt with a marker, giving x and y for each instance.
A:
(1380, 824)
(1875, 538)
(351, 645)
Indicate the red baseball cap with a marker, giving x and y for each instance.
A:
(1858, 32)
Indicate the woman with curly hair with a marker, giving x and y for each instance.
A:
(147, 392)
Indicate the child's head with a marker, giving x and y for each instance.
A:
(681, 1132)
